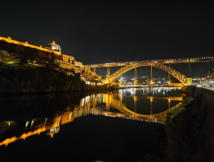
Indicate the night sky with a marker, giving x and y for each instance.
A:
(99, 33)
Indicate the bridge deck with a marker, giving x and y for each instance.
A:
(161, 61)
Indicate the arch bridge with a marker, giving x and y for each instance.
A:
(160, 64)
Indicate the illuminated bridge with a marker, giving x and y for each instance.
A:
(163, 64)
(26, 52)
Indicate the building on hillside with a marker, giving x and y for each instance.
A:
(78, 66)
(54, 46)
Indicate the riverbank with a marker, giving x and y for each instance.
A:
(28, 79)
(191, 132)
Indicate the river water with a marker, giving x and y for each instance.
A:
(127, 124)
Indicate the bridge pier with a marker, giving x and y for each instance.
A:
(169, 79)
(169, 103)
(135, 76)
(151, 80)
(94, 69)
(108, 72)
(189, 69)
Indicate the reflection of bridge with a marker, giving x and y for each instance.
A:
(160, 64)
(89, 105)
(110, 100)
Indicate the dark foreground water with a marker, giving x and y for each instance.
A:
(124, 125)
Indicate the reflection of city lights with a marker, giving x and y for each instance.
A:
(91, 105)
(151, 82)
(130, 91)
(151, 99)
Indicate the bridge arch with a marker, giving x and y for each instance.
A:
(182, 78)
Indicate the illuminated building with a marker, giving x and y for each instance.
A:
(54, 46)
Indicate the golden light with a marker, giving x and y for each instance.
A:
(151, 82)
(26, 44)
(151, 99)
(106, 80)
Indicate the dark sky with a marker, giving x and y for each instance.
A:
(98, 33)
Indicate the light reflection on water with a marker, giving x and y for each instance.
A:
(143, 104)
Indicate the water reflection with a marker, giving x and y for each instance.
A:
(124, 103)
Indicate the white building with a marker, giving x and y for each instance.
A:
(54, 46)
